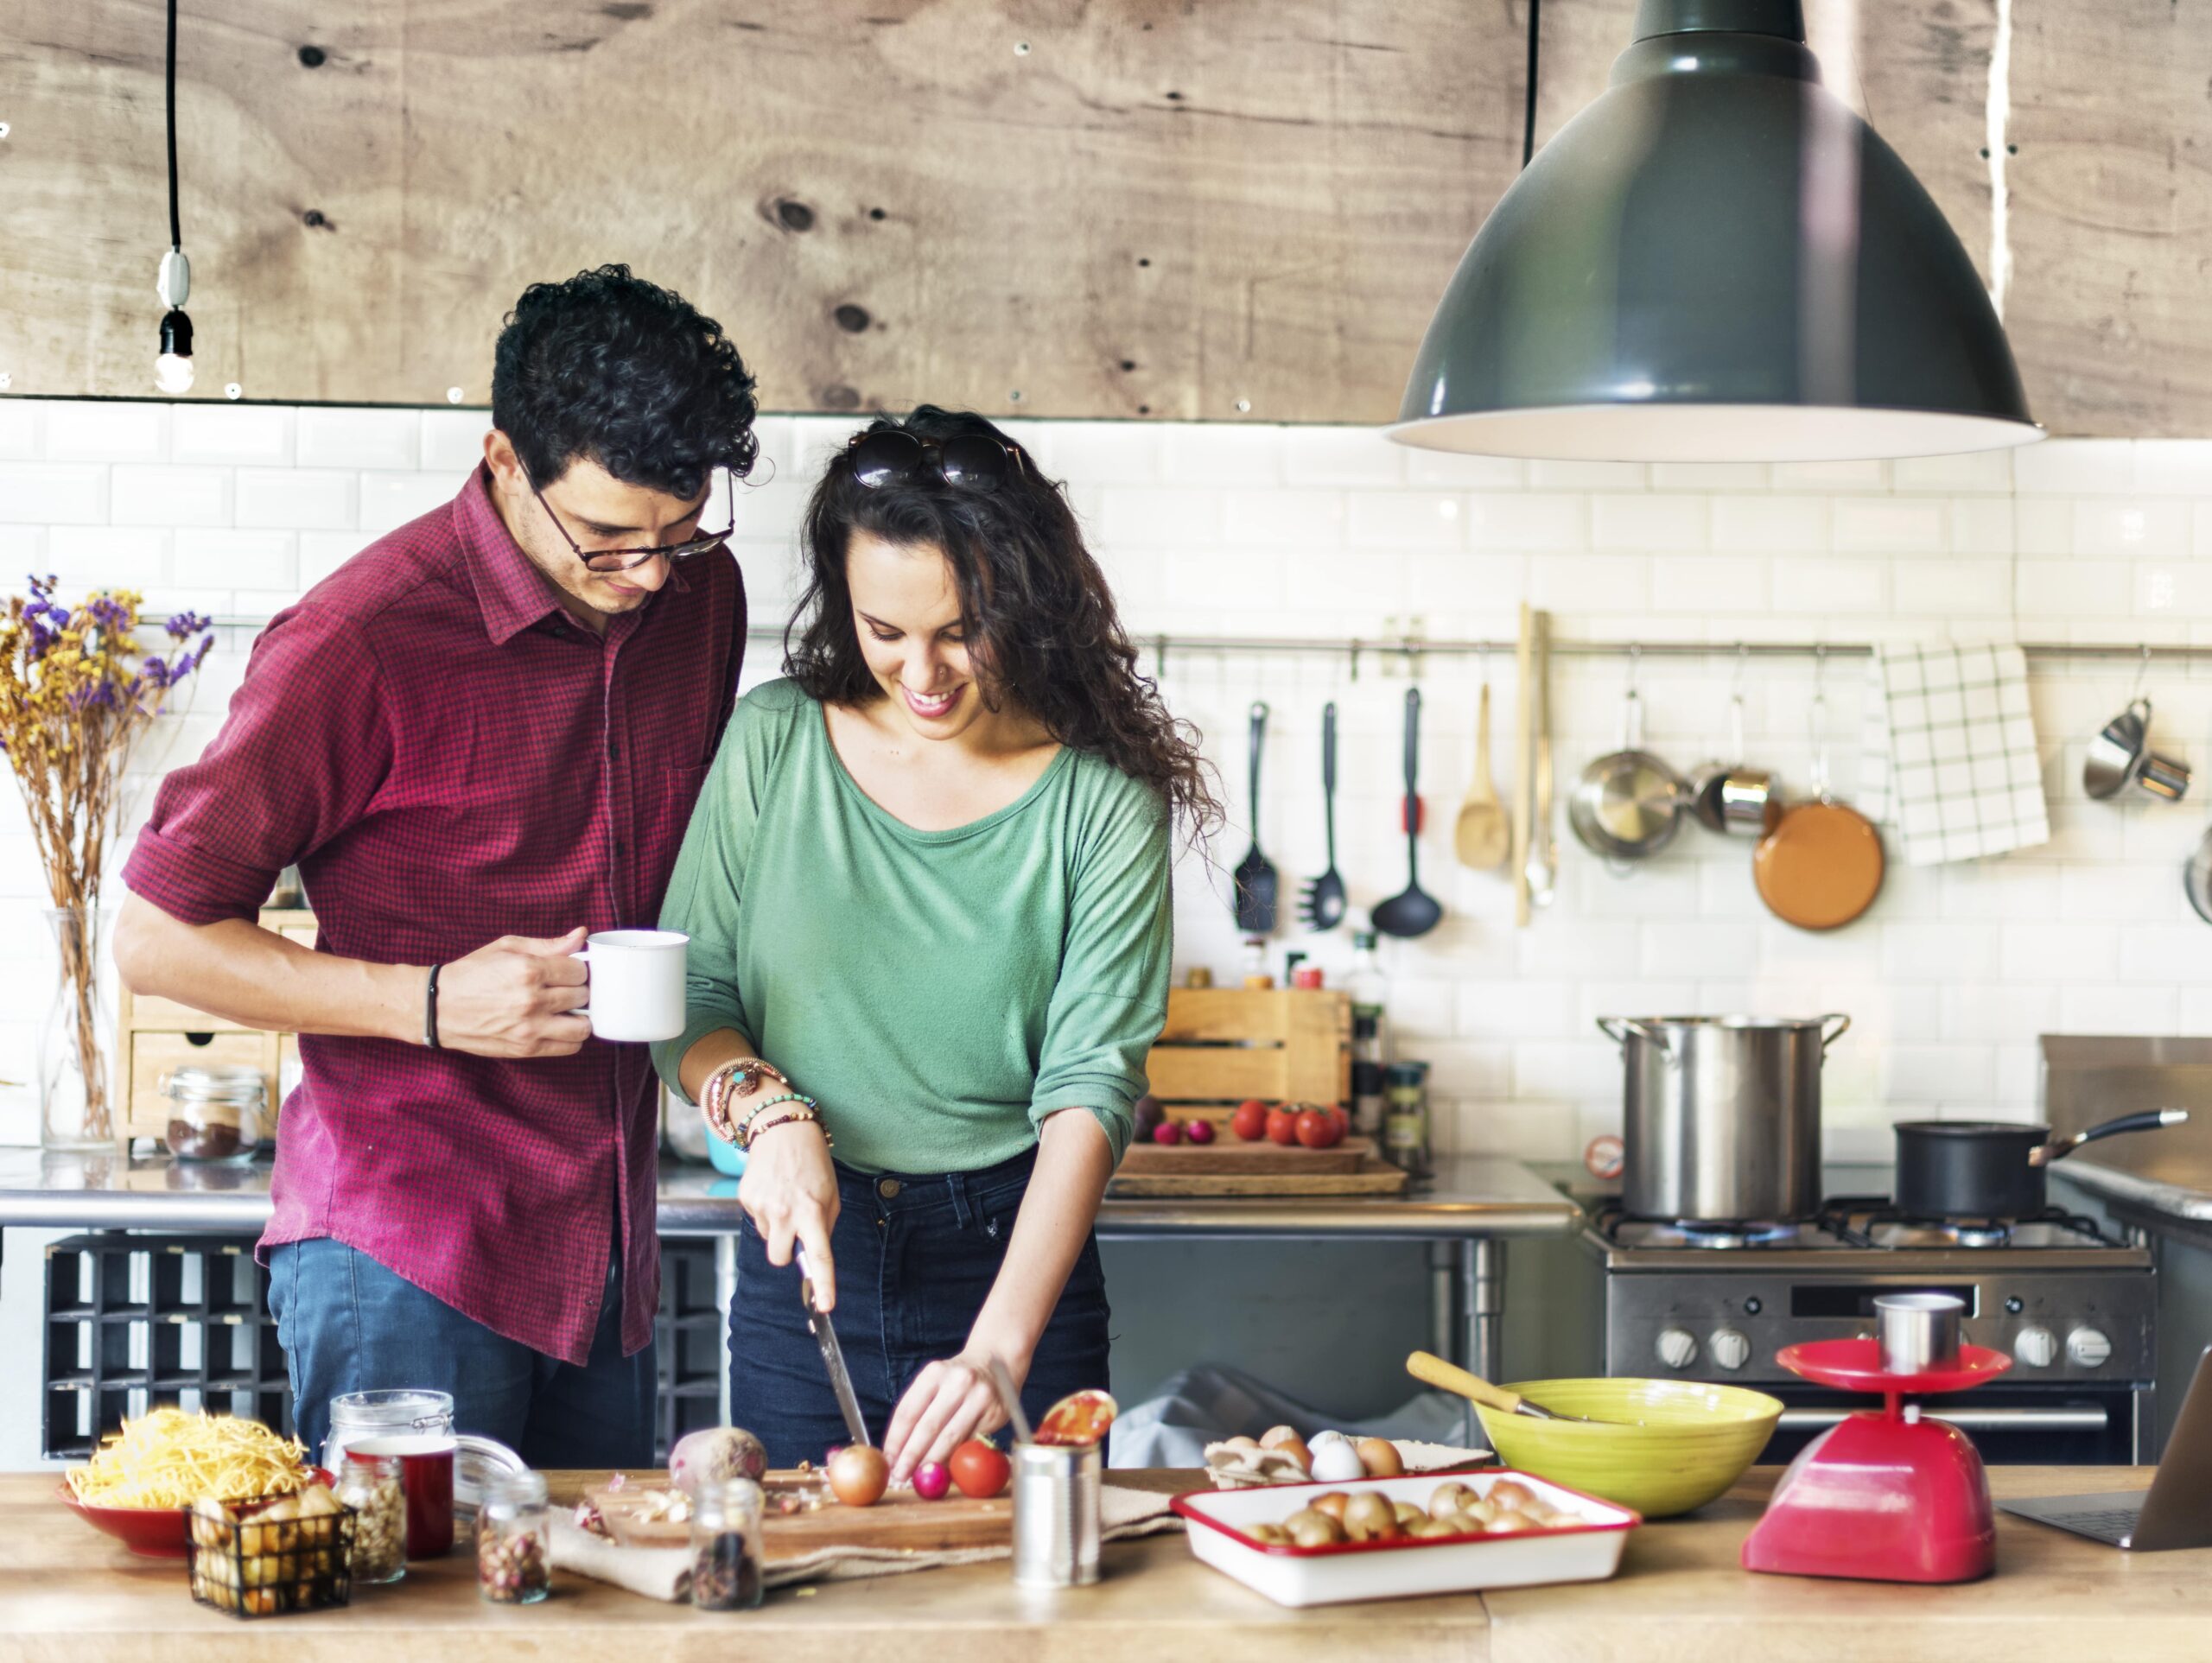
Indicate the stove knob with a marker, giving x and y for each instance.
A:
(1677, 1347)
(1730, 1349)
(2036, 1346)
(2088, 1348)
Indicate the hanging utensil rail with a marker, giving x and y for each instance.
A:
(1417, 646)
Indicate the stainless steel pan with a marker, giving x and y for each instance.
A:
(1629, 803)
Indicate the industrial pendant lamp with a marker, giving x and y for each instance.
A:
(173, 279)
(1716, 261)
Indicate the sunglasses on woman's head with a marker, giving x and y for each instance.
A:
(892, 456)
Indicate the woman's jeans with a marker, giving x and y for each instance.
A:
(916, 1256)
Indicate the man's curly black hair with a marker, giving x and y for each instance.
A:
(613, 369)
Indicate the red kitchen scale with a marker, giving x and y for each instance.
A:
(1887, 1495)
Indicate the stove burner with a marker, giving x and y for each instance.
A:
(1852, 1221)
(1630, 1232)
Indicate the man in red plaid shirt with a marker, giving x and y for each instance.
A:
(479, 740)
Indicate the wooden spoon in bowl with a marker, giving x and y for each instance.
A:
(1433, 1370)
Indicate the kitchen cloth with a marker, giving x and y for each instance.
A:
(1950, 753)
(665, 1573)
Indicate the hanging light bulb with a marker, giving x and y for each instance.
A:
(172, 368)
(172, 282)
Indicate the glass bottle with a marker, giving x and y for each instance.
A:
(726, 1545)
(370, 1485)
(514, 1557)
(1369, 989)
(1405, 1124)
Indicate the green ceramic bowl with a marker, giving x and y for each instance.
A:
(1672, 1446)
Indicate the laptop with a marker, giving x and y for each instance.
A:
(2175, 1512)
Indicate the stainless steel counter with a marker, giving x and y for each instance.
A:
(1465, 1213)
(1472, 1198)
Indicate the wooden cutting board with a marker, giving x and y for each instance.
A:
(902, 1519)
(1373, 1176)
(1236, 1158)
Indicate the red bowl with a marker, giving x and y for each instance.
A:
(151, 1532)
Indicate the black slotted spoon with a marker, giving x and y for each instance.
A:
(1322, 905)
(1412, 910)
(1256, 875)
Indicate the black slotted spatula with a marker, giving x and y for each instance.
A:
(1256, 875)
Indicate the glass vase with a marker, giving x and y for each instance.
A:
(76, 1110)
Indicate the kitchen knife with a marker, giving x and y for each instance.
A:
(833, 1355)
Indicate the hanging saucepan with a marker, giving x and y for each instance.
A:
(1629, 803)
(1991, 1168)
(1734, 798)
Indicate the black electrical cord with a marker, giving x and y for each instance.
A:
(1527, 130)
(176, 236)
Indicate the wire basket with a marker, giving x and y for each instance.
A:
(265, 1558)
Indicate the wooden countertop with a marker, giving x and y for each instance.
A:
(68, 1595)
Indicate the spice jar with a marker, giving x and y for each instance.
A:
(370, 1485)
(1405, 1121)
(215, 1114)
(726, 1545)
(514, 1541)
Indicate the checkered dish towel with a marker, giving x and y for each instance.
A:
(1950, 755)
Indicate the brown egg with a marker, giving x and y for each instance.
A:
(1380, 1456)
(1275, 1436)
(1296, 1449)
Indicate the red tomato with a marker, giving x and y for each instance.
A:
(1282, 1128)
(1199, 1132)
(1251, 1121)
(1168, 1132)
(1316, 1128)
(979, 1469)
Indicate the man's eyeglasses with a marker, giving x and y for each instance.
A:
(623, 560)
(967, 461)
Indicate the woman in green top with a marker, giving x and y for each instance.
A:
(926, 887)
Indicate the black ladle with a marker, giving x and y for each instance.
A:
(1323, 907)
(1255, 876)
(1412, 910)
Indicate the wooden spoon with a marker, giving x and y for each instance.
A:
(1433, 1370)
(1482, 836)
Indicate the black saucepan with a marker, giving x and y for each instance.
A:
(1991, 1168)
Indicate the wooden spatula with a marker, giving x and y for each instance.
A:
(1433, 1370)
(1482, 836)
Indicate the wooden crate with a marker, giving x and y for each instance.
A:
(1223, 1045)
(155, 1035)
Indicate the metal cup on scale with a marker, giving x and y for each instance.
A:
(1918, 1332)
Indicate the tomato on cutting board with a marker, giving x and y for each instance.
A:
(1319, 1129)
(1282, 1128)
(981, 1470)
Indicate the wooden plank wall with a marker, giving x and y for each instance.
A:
(1225, 209)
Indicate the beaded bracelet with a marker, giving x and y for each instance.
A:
(739, 1079)
(752, 1125)
(809, 1115)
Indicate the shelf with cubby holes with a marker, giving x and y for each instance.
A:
(154, 1036)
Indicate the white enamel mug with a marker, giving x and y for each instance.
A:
(636, 983)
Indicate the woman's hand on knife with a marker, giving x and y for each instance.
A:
(790, 1192)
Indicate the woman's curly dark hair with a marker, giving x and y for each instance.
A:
(625, 373)
(1036, 610)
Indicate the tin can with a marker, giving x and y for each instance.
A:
(1056, 1524)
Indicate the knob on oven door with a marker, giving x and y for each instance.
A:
(1677, 1347)
(2036, 1346)
(2089, 1348)
(1729, 1348)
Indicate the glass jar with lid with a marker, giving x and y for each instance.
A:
(215, 1114)
(726, 1545)
(514, 1563)
(409, 1412)
(370, 1484)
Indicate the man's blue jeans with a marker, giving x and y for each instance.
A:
(348, 1324)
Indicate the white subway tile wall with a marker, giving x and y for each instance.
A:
(1318, 532)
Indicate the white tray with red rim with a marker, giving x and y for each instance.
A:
(1589, 1550)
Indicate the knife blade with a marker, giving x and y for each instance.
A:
(833, 1355)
